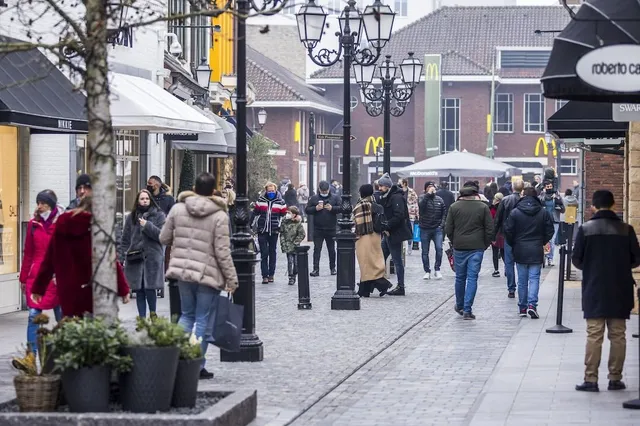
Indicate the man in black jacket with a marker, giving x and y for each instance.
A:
(324, 208)
(507, 204)
(433, 213)
(160, 193)
(447, 196)
(396, 228)
(528, 228)
(606, 250)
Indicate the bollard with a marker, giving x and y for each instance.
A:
(634, 404)
(304, 295)
(559, 328)
(175, 310)
(569, 249)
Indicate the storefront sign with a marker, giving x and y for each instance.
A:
(65, 124)
(612, 68)
(542, 143)
(180, 136)
(626, 112)
(375, 142)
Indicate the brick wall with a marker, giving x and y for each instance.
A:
(604, 171)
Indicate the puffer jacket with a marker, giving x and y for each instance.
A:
(197, 228)
(267, 214)
(433, 212)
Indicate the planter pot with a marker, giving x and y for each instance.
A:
(185, 390)
(87, 389)
(148, 387)
(37, 393)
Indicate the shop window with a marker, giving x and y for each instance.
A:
(127, 169)
(569, 166)
(9, 235)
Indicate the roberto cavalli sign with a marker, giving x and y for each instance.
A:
(612, 68)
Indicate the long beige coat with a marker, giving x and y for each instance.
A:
(197, 228)
(370, 257)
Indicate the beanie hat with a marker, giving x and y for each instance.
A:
(47, 197)
(323, 185)
(366, 190)
(428, 184)
(385, 180)
(83, 180)
(473, 184)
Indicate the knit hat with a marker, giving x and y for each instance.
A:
(428, 184)
(83, 180)
(385, 180)
(323, 185)
(366, 190)
(47, 197)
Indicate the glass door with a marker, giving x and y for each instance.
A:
(9, 223)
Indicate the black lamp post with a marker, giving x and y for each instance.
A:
(244, 258)
(377, 22)
(203, 76)
(378, 99)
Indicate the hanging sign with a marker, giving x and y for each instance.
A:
(612, 68)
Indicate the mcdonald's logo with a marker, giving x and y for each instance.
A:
(432, 73)
(376, 142)
(545, 148)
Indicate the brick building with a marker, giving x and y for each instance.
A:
(472, 47)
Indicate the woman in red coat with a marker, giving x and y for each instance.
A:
(497, 246)
(39, 232)
(69, 259)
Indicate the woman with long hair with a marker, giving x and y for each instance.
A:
(497, 246)
(141, 252)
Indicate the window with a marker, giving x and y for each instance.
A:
(503, 114)
(400, 7)
(533, 113)
(450, 137)
(524, 58)
(322, 171)
(302, 172)
(127, 169)
(340, 164)
(199, 40)
(177, 26)
(334, 7)
(569, 166)
(560, 103)
(454, 184)
(81, 155)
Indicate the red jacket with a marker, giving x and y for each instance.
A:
(39, 234)
(499, 242)
(69, 258)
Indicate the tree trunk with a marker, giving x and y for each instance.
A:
(101, 141)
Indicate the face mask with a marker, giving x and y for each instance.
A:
(150, 188)
(45, 215)
(431, 194)
(324, 195)
(271, 195)
(550, 191)
(289, 216)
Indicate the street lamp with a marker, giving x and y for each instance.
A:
(379, 98)
(244, 258)
(234, 101)
(262, 118)
(203, 74)
(377, 23)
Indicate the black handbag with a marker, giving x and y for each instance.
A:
(134, 256)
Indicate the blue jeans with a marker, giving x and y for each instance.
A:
(509, 268)
(395, 250)
(32, 329)
(467, 264)
(552, 243)
(144, 296)
(426, 236)
(197, 302)
(268, 253)
(528, 284)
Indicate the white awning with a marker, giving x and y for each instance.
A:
(139, 104)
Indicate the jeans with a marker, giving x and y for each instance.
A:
(395, 251)
(292, 264)
(426, 236)
(467, 264)
(268, 254)
(197, 302)
(143, 297)
(528, 284)
(498, 253)
(328, 237)
(552, 243)
(509, 268)
(32, 329)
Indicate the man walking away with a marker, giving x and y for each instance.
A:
(447, 196)
(552, 202)
(504, 210)
(432, 214)
(470, 229)
(160, 193)
(606, 251)
(527, 230)
(324, 208)
(396, 228)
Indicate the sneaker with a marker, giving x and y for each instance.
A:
(265, 280)
(333, 271)
(437, 275)
(427, 276)
(615, 385)
(458, 310)
(533, 312)
(270, 279)
(496, 274)
(468, 316)
(550, 263)
(588, 387)
(523, 312)
(314, 273)
(205, 375)
(398, 291)
(512, 295)
(292, 280)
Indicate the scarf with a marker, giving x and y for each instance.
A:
(363, 216)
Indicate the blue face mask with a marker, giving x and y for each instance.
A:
(271, 195)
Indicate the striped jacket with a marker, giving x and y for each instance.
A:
(267, 214)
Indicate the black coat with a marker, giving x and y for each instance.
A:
(164, 201)
(447, 196)
(433, 212)
(606, 249)
(291, 197)
(396, 214)
(528, 228)
(324, 220)
(505, 207)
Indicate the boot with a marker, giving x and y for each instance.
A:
(292, 280)
(398, 291)
(314, 273)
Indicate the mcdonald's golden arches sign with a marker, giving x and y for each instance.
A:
(375, 142)
(543, 143)
(432, 72)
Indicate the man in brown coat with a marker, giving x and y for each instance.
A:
(197, 228)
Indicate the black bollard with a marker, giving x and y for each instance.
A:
(569, 248)
(559, 328)
(175, 310)
(304, 295)
(634, 404)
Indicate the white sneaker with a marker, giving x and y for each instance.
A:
(427, 276)
(437, 275)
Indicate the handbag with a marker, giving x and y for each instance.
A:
(224, 327)
(134, 256)
(449, 253)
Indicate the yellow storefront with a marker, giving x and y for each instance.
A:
(9, 219)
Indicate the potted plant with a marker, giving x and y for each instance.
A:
(154, 349)
(36, 391)
(185, 390)
(87, 350)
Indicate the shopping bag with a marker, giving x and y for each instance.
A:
(227, 324)
(256, 245)
(449, 253)
(416, 233)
